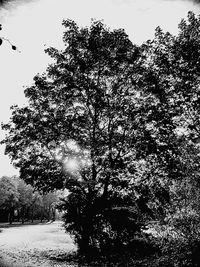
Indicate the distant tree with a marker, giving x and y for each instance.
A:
(36, 206)
(22, 202)
(25, 198)
(49, 203)
(8, 196)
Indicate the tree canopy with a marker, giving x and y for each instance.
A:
(115, 124)
(96, 126)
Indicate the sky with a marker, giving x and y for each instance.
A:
(33, 25)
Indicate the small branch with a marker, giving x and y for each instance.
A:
(12, 46)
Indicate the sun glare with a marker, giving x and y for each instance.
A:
(71, 165)
(72, 145)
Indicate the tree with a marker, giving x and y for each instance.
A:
(88, 128)
(50, 201)
(175, 70)
(8, 196)
(21, 201)
(25, 198)
(175, 65)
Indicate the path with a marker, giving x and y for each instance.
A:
(32, 245)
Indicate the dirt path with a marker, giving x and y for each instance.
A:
(34, 245)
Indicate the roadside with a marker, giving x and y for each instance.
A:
(18, 224)
(34, 245)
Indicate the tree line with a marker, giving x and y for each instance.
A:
(21, 202)
(117, 125)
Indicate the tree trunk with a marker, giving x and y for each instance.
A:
(32, 215)
(11, 215)
(49, 213)
(84, 244)
(41, 217)
(22, 214)
(18, 215)
(53, 214)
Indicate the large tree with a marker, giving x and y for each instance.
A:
(93, 126)
(174, 67)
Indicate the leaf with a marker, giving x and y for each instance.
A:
(14, 47)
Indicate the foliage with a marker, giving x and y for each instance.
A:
(89, 127)
(22, 201)
(175, 60)
(117, 125)
(25, 197)
(8, 196)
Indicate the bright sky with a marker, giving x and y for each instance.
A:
(30, 25)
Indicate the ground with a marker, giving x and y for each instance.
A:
(34, 245)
